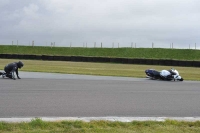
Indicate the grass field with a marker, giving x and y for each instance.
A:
(104, 69)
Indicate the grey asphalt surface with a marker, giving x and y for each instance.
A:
(68, 95)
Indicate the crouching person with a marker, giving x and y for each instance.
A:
(11, 68)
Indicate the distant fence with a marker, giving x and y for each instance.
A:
(165, 62)
(103, 44)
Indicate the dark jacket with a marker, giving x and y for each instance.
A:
(12, 67)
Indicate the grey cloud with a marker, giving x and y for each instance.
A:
(108, 21)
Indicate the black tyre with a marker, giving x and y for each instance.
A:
(181, 79)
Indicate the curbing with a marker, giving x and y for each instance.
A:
(88, 119)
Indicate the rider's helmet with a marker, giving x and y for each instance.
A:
(20, 64)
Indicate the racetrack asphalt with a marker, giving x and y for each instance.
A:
(69, 96)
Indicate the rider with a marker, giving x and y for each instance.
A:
(11, 68)
(172, 73)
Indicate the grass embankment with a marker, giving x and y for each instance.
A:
(37, 126)
(148, 53)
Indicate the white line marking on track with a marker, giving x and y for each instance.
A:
(88, 119)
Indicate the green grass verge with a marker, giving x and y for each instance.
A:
(104, 69)
(39, 126)
(148, 53)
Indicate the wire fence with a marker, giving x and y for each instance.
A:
(102, 44)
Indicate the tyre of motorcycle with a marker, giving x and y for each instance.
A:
(180, 79)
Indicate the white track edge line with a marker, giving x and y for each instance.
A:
(88, 119)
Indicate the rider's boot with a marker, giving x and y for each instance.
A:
(9, 75)
(3, 74)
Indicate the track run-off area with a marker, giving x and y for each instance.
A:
(53, 96)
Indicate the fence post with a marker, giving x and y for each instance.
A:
(32, 43)
(195, 46)
(101, 44)
(12, 42)
(135, 45)
(94, 44)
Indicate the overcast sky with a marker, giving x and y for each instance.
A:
(122, 22)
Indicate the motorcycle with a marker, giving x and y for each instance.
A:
(156, 75)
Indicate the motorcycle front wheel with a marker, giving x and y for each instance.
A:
(181, 79)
